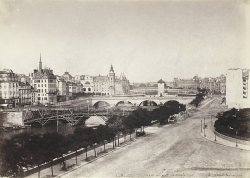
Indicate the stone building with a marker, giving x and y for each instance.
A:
(111, 84)
(9, 94)
(192, 83)
(44, 82)
(237, 84)
(25, 93)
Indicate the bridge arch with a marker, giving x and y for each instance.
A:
(171, 102)
(124, 102)
(148, 103)
(101, 104)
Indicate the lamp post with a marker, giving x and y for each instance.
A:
(113, 143)
(94, 148)
(236, 138)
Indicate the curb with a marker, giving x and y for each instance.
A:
(224, 144)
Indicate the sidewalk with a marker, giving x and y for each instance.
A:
(209, 132)
(45, 173)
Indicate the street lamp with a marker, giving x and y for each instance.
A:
(236, 138)
(94, 148)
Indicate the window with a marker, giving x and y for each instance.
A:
(42, 85)
(38, 85)
(45, 98)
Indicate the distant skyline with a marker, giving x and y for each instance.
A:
(145, 40)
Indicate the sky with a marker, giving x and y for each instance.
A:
(145, 40)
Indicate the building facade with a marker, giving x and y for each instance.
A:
(110, 84)
(192, 83)
(25, 94)
(237, 86)
(44, 82)
(9, 93)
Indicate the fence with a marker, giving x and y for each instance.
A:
(82, 155)
(232, 138)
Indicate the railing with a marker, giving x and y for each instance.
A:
(92, 152)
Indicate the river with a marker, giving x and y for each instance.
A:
(63, 128)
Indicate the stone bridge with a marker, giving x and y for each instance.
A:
(139, 101)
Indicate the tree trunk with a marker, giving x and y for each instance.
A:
(51, 164)
(64, 165)
(76, 156)
(38, 171)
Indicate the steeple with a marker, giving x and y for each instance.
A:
(40, 63)
(111, 69)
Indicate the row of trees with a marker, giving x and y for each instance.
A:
(199, 97)
(27, 150)
(233, 121)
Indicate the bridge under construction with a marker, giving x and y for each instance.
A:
(70, 115)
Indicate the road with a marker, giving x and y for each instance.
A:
(176, 150)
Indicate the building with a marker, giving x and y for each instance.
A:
(25, 93)
(237, 86)
(67, 77)
(111, 84)
(161, 87)
(9, 94)
(62, 93)
(192, 83)
(44, 82)
(23, 78)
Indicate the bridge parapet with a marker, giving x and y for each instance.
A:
(112, 101)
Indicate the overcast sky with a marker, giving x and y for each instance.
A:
(146, 40)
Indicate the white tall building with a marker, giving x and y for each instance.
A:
(237, 86)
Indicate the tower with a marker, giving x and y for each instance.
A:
(111, 81)
(161, 87)
(40, 64)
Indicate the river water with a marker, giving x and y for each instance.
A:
(63, 128)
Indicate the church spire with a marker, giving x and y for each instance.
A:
(111, 69)
(40, 63)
